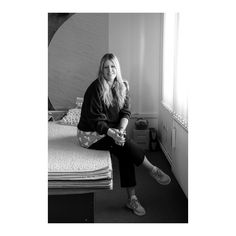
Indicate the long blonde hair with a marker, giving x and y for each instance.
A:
(117, 92)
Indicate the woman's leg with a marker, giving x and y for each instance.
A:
(130, 192)
(128, 155)
(103, 144)
(127, 172)
(126, 165)
(132, 152)
(156, 173)
(147, 164)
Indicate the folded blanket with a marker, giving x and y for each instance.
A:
(71, 166)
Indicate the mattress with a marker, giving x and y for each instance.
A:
(73, 167)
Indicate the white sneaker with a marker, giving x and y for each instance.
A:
(135, 206)
(160, 176)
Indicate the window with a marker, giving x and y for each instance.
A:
(174, 80)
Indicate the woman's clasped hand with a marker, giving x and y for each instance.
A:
(117, 135)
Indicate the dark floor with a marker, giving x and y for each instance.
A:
(163, 204)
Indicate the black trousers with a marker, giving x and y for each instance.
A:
(129, 156)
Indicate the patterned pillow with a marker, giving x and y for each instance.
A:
(72, 117)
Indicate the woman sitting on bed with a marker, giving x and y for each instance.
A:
(104, 118)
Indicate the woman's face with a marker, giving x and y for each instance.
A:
(109, 71)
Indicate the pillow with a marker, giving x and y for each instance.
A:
(71, 118)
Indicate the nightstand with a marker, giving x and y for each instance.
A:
(141, 137)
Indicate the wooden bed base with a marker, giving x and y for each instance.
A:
(73, 208)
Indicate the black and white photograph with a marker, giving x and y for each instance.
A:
(117, 119)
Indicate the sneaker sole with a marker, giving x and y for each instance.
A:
(164, 183)
(135, 212)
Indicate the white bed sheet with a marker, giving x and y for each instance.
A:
(73, 168)
(65, 154)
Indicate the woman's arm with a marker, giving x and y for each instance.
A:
(94, 114)
(125, 112)
(123, 124)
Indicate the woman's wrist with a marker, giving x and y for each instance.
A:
(123, 124)
(110, 132)
(121, 129)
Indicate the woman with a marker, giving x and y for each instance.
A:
(104, 118)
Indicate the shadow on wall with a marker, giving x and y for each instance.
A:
(55, 20)
(73, 56)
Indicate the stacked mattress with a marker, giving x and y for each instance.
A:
(72, 168)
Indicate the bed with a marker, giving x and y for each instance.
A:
(69, 75)
(74, 175)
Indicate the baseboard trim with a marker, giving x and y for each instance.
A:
(168, 157)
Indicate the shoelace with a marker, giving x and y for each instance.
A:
(134, 203)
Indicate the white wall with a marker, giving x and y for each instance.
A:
(136, 40)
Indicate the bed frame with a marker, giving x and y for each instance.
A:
(71, 205)
(71, 208)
